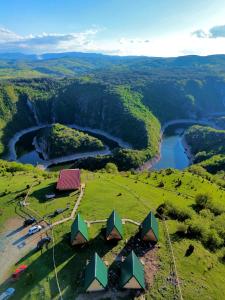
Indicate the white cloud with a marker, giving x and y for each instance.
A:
(213, 32)
(53, 42)
(201, 42)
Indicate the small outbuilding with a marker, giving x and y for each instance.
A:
(69, 180)
(114, 228)
(132, 273)
(96, 275)
(79, 231)
(149, 228)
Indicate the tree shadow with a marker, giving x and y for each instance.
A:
(73, 259)
(73, 272)
(177, 236)
(13, 232)
(41, 193)
(140, 248)
(21, 239)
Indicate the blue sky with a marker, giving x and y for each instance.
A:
(123, 27)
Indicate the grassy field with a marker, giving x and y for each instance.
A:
(133, 196)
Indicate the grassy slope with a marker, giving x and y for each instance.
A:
(202, 273)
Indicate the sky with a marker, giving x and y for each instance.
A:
(116, 27)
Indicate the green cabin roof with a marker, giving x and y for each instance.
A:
(96, 269)
(79, 226)
(132, 267)
(114, 220)
(150, 222)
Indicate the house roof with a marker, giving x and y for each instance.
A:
(114, 220)
(96, 269)
(79, 226)
(150, 222)
(69, 179)
(132, 267)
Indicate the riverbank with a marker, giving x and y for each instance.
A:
(187, 149)
(147, 165)
(152, 162)
(12, 156)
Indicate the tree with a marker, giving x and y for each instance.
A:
(111, 168)
(202, 200)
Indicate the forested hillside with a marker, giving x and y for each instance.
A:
(127, 97)
(208, 147)
(60, 140)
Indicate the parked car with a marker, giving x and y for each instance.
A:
(7, 294)
(19, 271)
(29, 221)
(34, 229)
(43, 241)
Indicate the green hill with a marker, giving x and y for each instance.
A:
(208, 146)
(193, 207)
(59, 140)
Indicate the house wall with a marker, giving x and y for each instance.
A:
(149, 236)
(114, 235)
(95, 286)
(79, 240)
(132, 284)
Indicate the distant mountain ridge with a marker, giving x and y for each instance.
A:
(179, 60)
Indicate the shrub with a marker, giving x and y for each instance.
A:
(111, 168)
(201, 200)
(175, 212)
(219, 225)
(213, 241)
(197, 228)
(217, 209)
(161, 184)
(206, 213)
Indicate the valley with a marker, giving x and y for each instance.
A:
(146, 135)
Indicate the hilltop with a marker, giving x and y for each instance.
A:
(193, 206)
(59, 140)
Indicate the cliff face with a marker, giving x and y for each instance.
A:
(174, 99)
(116, 109)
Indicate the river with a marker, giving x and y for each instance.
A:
(172, 154)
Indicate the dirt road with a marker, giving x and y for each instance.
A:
(14, 244)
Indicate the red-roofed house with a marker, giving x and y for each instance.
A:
(68, 180)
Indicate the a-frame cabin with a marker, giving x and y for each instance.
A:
(96, 275)
(132, 273)
(79, 231)
(149, 228)
(114, 228)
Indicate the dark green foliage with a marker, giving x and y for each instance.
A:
(60, 140)
(202, 200)
(111, 168)
(174, 211)
(208, 146)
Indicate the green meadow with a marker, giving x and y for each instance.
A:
(132, 196)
